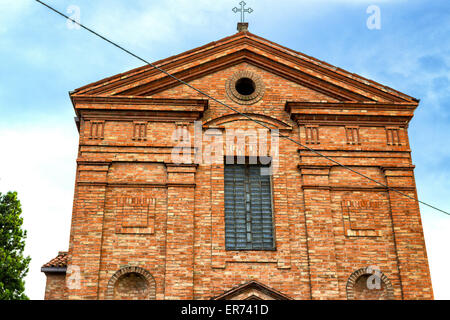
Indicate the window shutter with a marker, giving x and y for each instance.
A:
(248, 208)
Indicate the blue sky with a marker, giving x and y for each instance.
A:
(42, 59)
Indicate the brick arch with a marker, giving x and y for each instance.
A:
(358, 274)
(271, 122)
(253, 98)
(150, 291)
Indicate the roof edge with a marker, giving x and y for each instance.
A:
(54, 269)
(250, 36)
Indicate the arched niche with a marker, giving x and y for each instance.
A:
(369, 284)
(131, 283)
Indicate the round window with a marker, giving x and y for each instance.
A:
(245, 87)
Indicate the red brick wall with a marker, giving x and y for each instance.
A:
(55, 287)
(329, 222)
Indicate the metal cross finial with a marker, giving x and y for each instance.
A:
(242, 10)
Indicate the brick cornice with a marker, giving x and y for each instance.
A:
(164, 108)
(293, 106)
(139, 101)
(349, 112)
(383, 168)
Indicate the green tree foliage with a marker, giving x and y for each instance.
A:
(13, 265)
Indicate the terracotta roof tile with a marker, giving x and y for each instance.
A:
(59, 261)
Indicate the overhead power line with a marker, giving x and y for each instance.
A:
(238, 112)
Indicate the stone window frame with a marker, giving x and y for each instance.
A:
(367, 271)
(131, 269)
(253, 98)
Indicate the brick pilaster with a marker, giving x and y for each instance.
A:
(87, 231)
(179, 275)
(320, 233)
(408, 233)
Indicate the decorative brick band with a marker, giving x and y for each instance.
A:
(368, 271)
(234, 95)
(151, 288)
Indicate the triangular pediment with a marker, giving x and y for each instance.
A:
(245, 47)
(252, 290)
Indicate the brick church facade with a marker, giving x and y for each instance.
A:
(145, 226)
